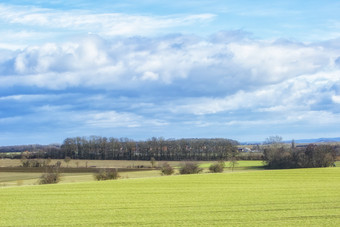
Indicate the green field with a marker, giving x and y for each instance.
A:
(9, 179)
(299, 197)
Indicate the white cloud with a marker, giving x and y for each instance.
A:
(109, 119)
(177, 80)
(30, 98)
(150, 76)
(233, 65)
(336, 99)
(105, 24)
(276, 62)
(300, 93)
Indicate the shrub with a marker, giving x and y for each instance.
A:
(217, 167)
(190, 168)
(51, 176)
(167, 169)
(33, 162)
(107, 174)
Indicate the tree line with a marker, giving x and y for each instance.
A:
(103, 148)
(310, 156)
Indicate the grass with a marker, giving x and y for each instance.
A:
(31, 178)
(13, 176)
(25, 177)
(241, 165)
(11, 179)
(299, 197)
(18, 179)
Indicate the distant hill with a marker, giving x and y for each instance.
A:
(319, 140)
(30, 148)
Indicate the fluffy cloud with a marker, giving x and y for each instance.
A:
(304, 105)
(224, 83)
(189, 63)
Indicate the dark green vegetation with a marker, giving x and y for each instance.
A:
(311, 156)
(153, 149)
(297, 197)
(102, 148)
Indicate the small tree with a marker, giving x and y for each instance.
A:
(25, 162)
(273, 140)
(153, 162)
(48, 161)
(32, 162)
(25, 155)
(51, 175)
(167, 169)
(190, 168)
(58, 164)
(233, 160)
(67, 160)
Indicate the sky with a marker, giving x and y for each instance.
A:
(243, 70)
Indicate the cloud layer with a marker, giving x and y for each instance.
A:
(132, 76)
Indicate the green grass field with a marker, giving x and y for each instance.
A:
(298, 197)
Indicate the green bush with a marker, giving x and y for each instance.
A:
(167, 169)
(107, 174)
(190, 168)
(217, 167)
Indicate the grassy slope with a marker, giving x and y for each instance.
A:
(301, 197)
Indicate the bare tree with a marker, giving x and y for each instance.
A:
(153, 162)
(233, 160)
(67, 159)
(273, 140)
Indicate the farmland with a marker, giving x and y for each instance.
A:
(23, 176)
(300, 197)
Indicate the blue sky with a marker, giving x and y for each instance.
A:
(243, 70)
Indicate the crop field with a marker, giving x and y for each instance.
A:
(299, 197)
(25, 177)
(12, 179)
